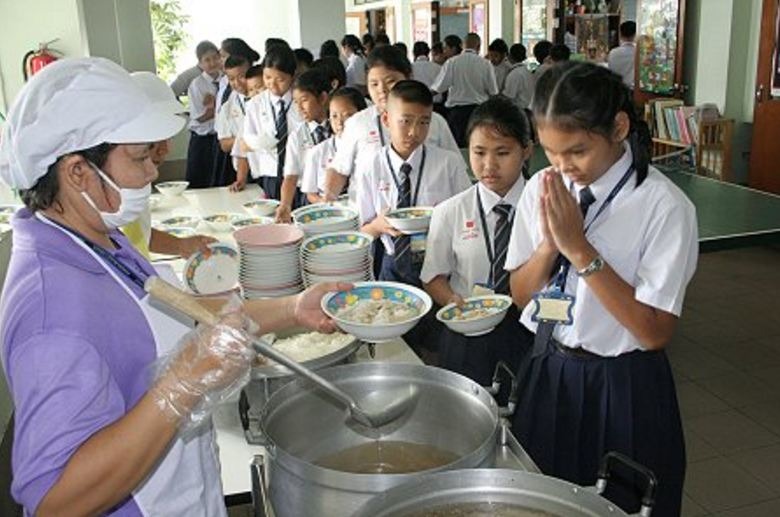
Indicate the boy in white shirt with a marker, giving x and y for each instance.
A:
(310, 94)
(202, 150)
(519, 83)
(230, 117)
(254, 87)
(364, 134)
(406, 173)
(497, 55)
(621, 59)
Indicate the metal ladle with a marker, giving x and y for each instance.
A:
(385, 407)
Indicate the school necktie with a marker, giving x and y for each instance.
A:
(319, 134)
(403, 243)
(500, 244)
(281, 146)
(225, 94)
(586, 199)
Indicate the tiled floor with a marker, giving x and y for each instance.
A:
(726, 359)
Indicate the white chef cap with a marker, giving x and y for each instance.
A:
(159, 92)
(72, 105)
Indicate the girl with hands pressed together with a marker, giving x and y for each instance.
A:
(602, 250)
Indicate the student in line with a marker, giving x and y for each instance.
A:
(613, 243)
(343, 103)
(497, 55)
(368, 42)
(364, 133)
(269, 119)
(452, 47)
(329, 49)
(437, 53)
(230, 118)
(356, 61)
(202, 93)
(381, 40)
(310, 94)
(468, 80)
(468, 239)
(254, 87)
(559, 53)
(519, 83)
(425, 70)
(334, 71)
(406, 172)
(621, 59)
(304, 58)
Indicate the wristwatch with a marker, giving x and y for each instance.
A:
(596, 265)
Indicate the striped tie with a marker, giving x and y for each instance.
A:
(281, 146)
(319, 134)
(500, 244)
(403, 243)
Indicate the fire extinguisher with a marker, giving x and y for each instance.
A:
(34, 60)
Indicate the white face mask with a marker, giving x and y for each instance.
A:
(133, 202)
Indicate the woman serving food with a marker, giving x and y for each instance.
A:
(96, 431)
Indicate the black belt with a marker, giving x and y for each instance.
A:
(579, 353)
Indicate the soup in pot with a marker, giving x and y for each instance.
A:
(387, 457)
(479, 510)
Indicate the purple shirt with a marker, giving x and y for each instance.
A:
(76, 349)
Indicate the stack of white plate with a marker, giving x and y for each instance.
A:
(338, 256)
(319, 219)
(269, 266)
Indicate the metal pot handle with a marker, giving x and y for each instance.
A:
(648, 499)
(495, 387)
(261, 504)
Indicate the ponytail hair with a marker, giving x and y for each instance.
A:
(583, 96)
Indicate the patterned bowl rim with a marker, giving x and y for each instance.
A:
(442, 315)
(424, 301)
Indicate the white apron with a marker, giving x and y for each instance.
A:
(187, 480)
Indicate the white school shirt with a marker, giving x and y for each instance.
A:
(648, 235)
(181, 84)
(468, 79)
(299, 145)
(426, 71)
(317, 162)
(356, 70)
(502, 70)
(201, 86)
(519, 86)
(259, 120)
(364, 134)
(230, 119)
(444, 175)
(456, 242)
(621, 61)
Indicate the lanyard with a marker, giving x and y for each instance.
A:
(419, 175)
(379, 129)
(560, 280)
(488, 246)
(105, 255)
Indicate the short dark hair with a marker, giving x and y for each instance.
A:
(353, 43)
(498, 45)
(389, 57)
(542, 50)
(412, 91)
(239, 47)
(333, 69)
(273, 42)
(437, 47)
(44, 193)
(400, 45)
(204, 47)
(254, 71)
(587, 97)
(368, 41)
(353, 95)
(560, 53)
(313, 81)
(420, 48)
(281, 58)
(517, 53)
(329, 48)
(628, 29)
(472, 39)
(504, 117)
(382, 39)
(453, 41)
(304, 57)
(235, 61)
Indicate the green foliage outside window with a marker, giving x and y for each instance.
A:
(170, 36)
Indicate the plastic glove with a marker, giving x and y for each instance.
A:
(209, 366)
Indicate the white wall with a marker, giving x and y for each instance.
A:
(24, 24)
(320, 20)
(714, 41)
(120, 30)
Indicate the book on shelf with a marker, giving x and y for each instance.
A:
(672, 121)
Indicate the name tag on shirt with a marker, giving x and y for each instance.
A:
(553, 307)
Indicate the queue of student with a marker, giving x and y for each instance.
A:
(600, 231)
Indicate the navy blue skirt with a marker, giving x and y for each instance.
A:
(271, 186)
(224, 172)
(201, 159)
(572, 410)
(476, 357)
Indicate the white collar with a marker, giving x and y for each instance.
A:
(313, 124)
(604, 185)
(490, 199)
(211, 79)
(287, 98)
(422, 58)
(396, 161)
(627, 44)
(469, 51)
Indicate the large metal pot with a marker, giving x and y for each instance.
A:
(302, 424)
(533, 493)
